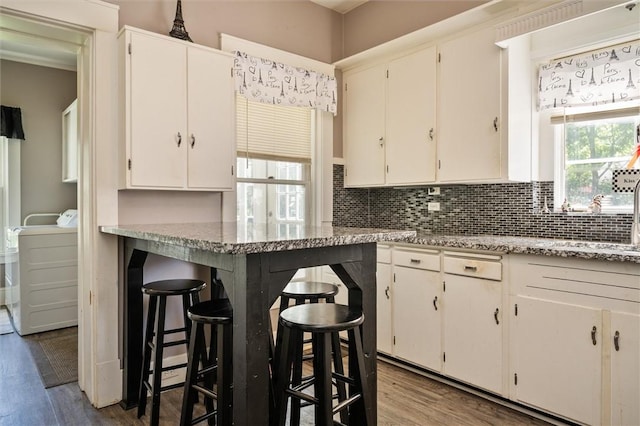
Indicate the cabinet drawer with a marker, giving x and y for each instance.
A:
(384, 254)
(469, 267)
(423, 259)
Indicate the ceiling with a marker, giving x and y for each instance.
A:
(341, 6)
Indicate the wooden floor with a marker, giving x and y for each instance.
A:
(404, 399)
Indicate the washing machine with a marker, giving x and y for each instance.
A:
(42, 280)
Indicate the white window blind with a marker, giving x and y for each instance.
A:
(272, 132)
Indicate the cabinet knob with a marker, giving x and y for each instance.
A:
(381, 140)
(179, 139)
(616, 340)
(431, 133)
(193, 140)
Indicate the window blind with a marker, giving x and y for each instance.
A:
(272, 132)
(595, 115)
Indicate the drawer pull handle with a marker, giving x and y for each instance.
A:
(495, 315)
(179, 139)
(470, 268)
(435, 301)
(593, 335)
(415, 260)
(616, 340)
(386, 292)
(193, 140)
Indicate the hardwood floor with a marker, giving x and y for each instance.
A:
(404, 399)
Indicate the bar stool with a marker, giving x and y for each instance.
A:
(155, 333)
(313, 292)
(216, 365)
(322, 320)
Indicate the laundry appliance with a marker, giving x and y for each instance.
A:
(42, 280)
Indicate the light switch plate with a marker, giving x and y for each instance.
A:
(433, 207)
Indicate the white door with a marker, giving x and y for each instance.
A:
(472, 331)
(411, 118)
(211, 120)
(158, 95)
(557, 351)
(468, 107)
(383, 308)
(625, 369)
(416, 316)
(364, 127)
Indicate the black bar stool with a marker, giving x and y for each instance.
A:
(155, 333)
(313, 292)
(216, 365)
(322, 320)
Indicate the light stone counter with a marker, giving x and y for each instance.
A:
(233, 238)
(538, 246)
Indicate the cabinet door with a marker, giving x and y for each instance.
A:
(469, 104)
(211, 117)
(472, 331)
(557, 365)
(383, 310)
(411, 116)
(625, 369)
(158, 108)
(416, 316)
(364, 129)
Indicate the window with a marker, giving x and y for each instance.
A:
(274, 162)
(589, 147)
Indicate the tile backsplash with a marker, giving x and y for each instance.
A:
(484, 209)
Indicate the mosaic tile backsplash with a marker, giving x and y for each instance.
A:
(512, 209)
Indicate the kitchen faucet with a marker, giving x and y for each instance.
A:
(635, 221)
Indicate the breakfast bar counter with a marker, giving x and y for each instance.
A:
(252, 264)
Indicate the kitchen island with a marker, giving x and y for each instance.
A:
(252, 264)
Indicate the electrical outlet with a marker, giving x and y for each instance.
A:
(434, 190)
(433, 207)
(169, 374)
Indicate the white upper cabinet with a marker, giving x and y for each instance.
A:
(177, 102)
(411, 119)
(469, 110)
(211, 121)
(441, 116)
(389, 122)
(364, 127)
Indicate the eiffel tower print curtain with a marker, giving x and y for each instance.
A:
(272, 82)
(604, 76)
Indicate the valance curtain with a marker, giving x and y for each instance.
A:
(610, 75)
(272, 82)
(11, 122)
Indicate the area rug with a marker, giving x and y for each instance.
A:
(5, 322)
(56, 355)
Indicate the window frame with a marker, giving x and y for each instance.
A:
(608, 112)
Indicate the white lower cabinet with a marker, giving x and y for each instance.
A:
(416, 315)
(472, 321)
(625, 369)
(575, 338)
(557, 353)
(384, 332)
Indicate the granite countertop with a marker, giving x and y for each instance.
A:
(234, 238)
(538, 246)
